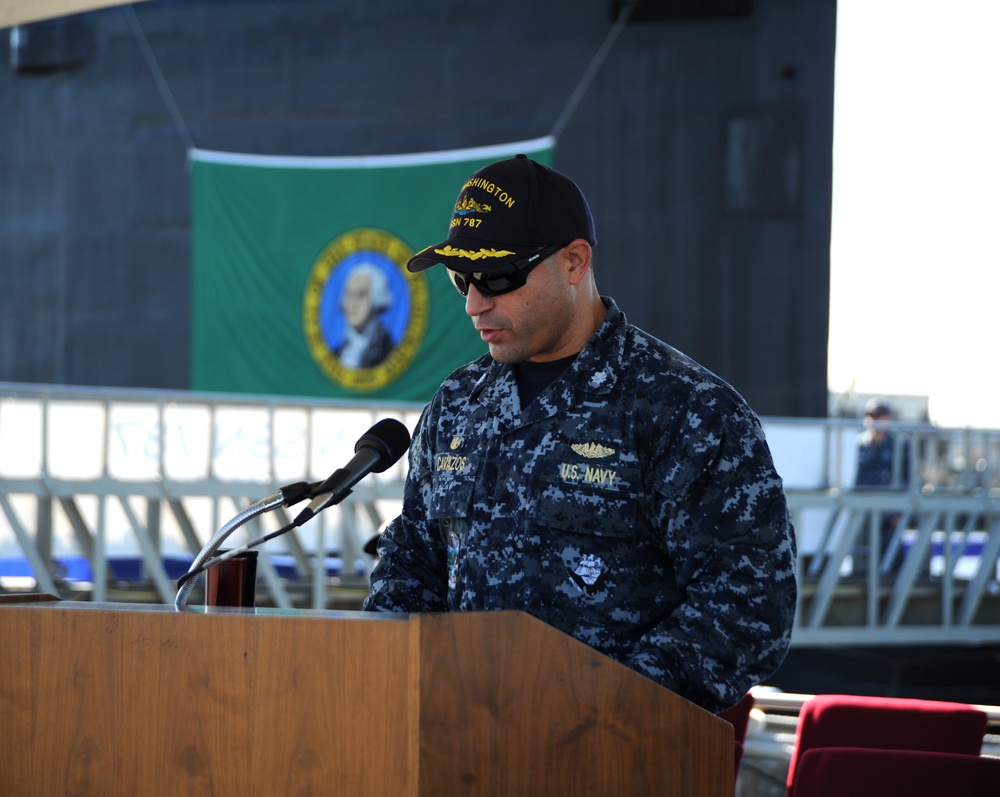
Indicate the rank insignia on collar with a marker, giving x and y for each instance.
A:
(592, 450)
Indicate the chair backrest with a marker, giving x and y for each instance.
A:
(887, 723)
(739, 717)
(868, 772)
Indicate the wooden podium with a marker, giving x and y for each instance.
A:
(139, 701)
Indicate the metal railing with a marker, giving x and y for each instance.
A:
(101, 477)
(935, 580)
(107, 477)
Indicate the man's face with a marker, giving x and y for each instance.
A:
(872, 419)
(530, 323)
(356, 301)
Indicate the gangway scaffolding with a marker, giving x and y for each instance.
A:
(109, 494)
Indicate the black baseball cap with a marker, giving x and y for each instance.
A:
(505, 211)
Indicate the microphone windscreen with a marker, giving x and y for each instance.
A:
(389, 438)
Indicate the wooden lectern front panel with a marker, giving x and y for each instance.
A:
(125, 701)
(511, 706)
(146, 703)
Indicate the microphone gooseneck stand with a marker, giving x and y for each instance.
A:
(377, 449)
(259, 508)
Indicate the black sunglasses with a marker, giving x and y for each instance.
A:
(502, 280)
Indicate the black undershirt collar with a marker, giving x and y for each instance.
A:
(533, 378)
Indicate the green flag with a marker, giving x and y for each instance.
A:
(299, 273)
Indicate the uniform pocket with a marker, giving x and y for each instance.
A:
(585, 497)
(449, 507)
(452, 482)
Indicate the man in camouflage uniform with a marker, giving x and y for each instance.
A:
(584, 471)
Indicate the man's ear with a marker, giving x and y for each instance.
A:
(578, 254)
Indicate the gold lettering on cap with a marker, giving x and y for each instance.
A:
(490, 188)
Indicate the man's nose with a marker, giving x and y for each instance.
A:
(475, 302)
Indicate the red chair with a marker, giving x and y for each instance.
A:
(739, 717)
(886, 723)
(866, 772)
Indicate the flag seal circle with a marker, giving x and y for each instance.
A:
(364, 315)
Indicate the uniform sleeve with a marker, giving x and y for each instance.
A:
(411, 573)
(721, 510)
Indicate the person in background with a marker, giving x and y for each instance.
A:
(877, 469)
(584, 471)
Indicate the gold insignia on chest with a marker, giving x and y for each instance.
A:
(455, 442)
(592, 450)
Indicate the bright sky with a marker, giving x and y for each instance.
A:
(915, 253)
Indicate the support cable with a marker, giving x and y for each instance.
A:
(159, 79)
(588, 77)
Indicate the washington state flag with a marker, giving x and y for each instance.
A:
(299, 273)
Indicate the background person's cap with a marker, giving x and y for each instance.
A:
(877, 408)
(505, 211)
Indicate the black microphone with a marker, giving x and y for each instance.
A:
(376, 450)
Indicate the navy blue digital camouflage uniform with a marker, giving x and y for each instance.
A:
(875, 462)
(633, 505)
(876, 458)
